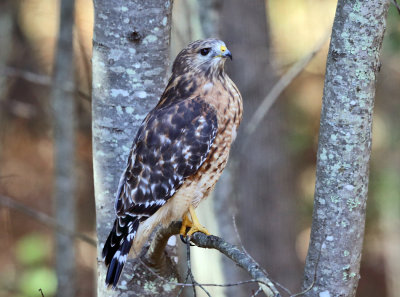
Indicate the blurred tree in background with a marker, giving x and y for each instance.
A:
(28, 34)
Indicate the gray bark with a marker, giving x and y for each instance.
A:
(130, 60)
(344, 148)
(64, 146)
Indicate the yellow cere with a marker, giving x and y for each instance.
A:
(223, 48)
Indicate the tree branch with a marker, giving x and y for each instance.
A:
(154, 254)
(41, 80)
(45, 219)
(280, 86)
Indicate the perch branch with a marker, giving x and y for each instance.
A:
(44, 218)
(212, 242)
(239, 257)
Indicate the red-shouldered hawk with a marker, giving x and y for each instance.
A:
(178, 154)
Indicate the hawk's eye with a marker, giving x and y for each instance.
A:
(205, 51)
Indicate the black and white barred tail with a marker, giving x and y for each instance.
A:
(117, 247)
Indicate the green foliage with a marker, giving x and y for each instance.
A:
(32, 249)
(301, 134)
(39, 278)
(32, 253)
(387, 192)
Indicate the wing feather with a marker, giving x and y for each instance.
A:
(171, 145)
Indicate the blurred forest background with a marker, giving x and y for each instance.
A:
(286, 141)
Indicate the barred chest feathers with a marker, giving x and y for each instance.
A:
(229, 113)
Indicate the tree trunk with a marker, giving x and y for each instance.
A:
(344, 148)
(130, 60)
(7, 16)
(64, 147)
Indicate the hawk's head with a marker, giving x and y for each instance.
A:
(207, 56)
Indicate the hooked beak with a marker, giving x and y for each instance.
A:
(225, 52)
(228, 54)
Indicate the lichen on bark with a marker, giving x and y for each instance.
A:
(130, 59)
(344, 148)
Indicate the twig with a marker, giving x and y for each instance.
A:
(44, 218)
(240, 241)
(194, 282)
(32, 77)
(280, 86)
(182, 287)
(39, 79)
(397, 5)
(238, 234)
(41, 292)
(256, 292)
(242, 246)
(283, 288)
(189, 268)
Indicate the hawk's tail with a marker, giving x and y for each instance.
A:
(117, 246)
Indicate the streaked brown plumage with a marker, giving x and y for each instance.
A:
(178, 154)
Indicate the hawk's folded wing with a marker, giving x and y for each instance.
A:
(171, 145)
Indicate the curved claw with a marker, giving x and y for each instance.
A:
(186, 239)
(196, 226)
(185, 224)
(183, 239)
(193, 224)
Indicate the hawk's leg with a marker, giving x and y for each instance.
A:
(196, 226)
(193, 224)
(185, 223)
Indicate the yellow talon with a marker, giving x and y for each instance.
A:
(193, 224)
(185, 223)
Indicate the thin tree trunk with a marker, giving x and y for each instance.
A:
(130, 60)
(6, 28)
(344, 148)
(64, 146)
(7, 16)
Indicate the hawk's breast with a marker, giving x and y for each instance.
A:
(225, 97)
